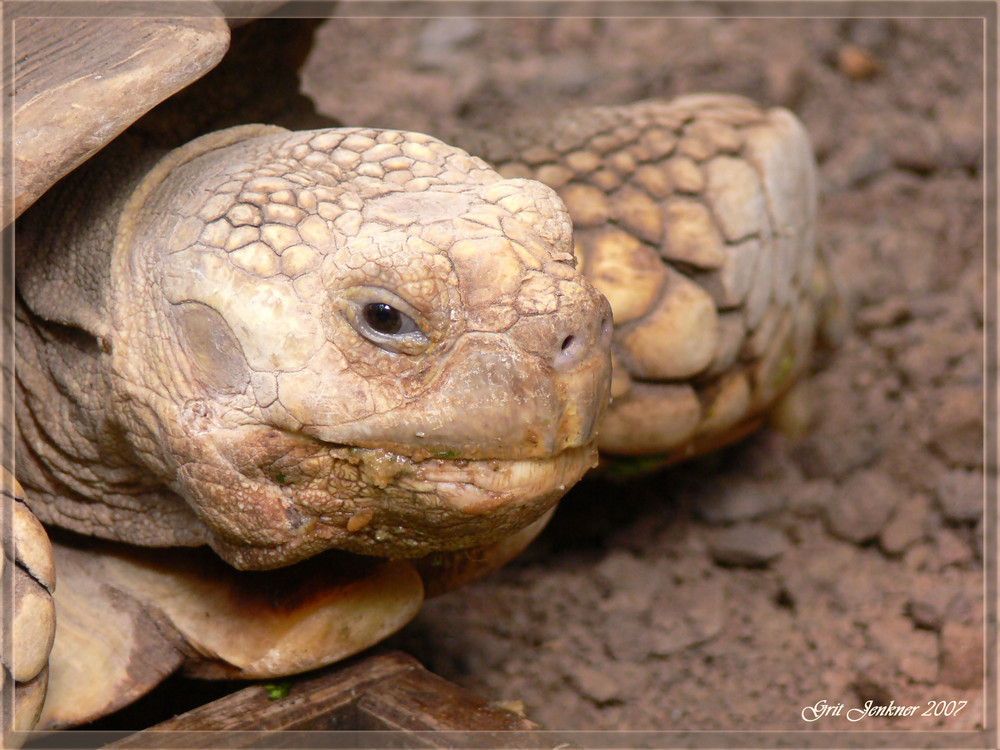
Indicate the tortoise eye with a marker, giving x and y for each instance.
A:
(387, 320)
(379, 317)
(384, 318)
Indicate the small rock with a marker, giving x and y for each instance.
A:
(889, 312)
(961, 122)
(919, 556)
(738, 501)
(918, 147)
(919, 668)
(914, 260)
(965, 607)
(868, 689)
(860, 162)
(906, 526)
(960, 495)
(833, 452)
(915, 653)
(812, 496)
(929, 608)
(950, 308)
(950, 549)
(767, 457)
(964, 145)
(746, 544)
(862, 507)
(687, 615)
(627, 639)
(961, 656)
(594, 683)
(856, 62)
(626, 601)
(958, 426)
(622, 571)
(936, 349)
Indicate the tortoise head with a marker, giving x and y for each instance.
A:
(357, 339)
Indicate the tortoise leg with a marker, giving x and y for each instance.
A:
(130, 616)
(25, 648)
(697, 219)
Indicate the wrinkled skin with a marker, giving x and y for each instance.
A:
(355, 339)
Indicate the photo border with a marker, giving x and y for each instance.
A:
(987, 11)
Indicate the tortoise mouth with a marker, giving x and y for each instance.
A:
(376, 502)
(475, 486)
(413, 506)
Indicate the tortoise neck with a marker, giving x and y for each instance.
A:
(72, 457)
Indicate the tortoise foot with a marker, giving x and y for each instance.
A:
(25, 653)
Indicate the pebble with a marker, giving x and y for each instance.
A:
(858, 162)
(623, 641)
(960, 120)
(951, 549)
(594, 683)
(868, 689)
(958, 426)
(620, 571)
(856, 62)
(906, 526)
(918, 147)
(929, 608)
(687, 615)
(746, 544)
(961, 656)
(920, 556)
(840, 447)
(964, 145)
(812, 496)
(920, 667)
(960, 495)
(681, 614)
(914, 652)
(889, 312)
(936, 348)
(738, 501)
(863, 506)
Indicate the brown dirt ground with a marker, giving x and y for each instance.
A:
(735, 591)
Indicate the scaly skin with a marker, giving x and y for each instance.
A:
(238, 374)
(696, 218)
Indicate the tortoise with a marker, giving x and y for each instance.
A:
(274, 387)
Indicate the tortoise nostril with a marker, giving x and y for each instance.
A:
(583, 335)
(574, 349)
